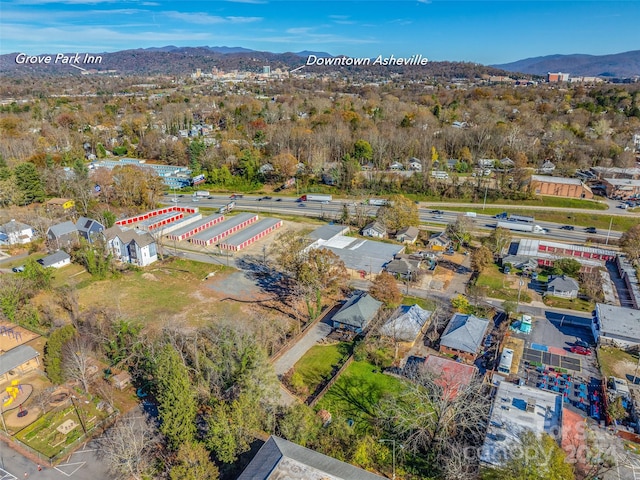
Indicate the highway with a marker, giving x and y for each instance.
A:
(333, 211)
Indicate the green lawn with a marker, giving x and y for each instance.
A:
(569, 303)
(534, 202)
(357, 393)
(422, 302)
(318, 363)
(496, 283)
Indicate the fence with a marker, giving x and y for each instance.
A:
(44, 459)
(311, 401)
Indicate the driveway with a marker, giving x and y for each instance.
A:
(314, 335)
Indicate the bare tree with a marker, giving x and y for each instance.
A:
(76, 360)
(130, 446)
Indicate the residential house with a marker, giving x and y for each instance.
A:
(357, 312)
(88, 228)
(404, 267)
(560, 187)
(280, 459)
(266, 169)
(59, 204)
(62, 234)
(617, 326)
(374, 229)
(368, 167)
(451, 164)
(506, 163)
(408, 234)
(406, 324)
(329, 179)
(547, 168)
(449, 375)
(439, 242)
(486, 162)
(415, 164)
(463, 336)
(396, 166)
(17, 362)
(16, 233)
(58, 259)
(131, 246)
(562, 286)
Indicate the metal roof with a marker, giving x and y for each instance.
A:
(54, 258)
(406, 323)
(64, 228)
(279, 459)
(358, 311)
(327, 232)
(251, 231)
(618, 321)
(550, 179)
(222, 227)
(193, 225)
(464, 333)
(15, 357)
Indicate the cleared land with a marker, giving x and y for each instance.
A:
(501, 286)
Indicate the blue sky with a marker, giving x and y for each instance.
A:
(480, 31)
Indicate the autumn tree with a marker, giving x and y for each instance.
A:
(498, 240)
(362, 151)
(533, 457)
(130, 446)
(176, 401)
(76, 360)
(460, 230)
(385, 289)
(398, 213)
(322, 273)
(481, 258)
(630, 243)
(193, 463)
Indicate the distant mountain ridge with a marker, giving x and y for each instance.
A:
(618, 65)
(172, 60)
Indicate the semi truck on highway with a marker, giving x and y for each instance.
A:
(227, 208)
(521, 227)
(201, 193)
(378, 202)
(315, 198)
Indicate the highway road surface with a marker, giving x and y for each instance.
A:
(333, 211)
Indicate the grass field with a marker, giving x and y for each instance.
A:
(317, 364)
(616, 362)
(357, 393)
(497, 285)
(162, 290)
(557, 202)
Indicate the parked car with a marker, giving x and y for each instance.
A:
(580, 350)
(18, 269)
(567, 227)
(581, 343)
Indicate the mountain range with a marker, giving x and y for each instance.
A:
(172, 60)
(619, 65)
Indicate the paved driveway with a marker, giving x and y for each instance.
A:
(315, 334)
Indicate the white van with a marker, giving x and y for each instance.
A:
(471, 214)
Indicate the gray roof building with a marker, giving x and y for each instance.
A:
(374, 229)
(408, 234)
(406, 323)
(88, 228)
(327, 232)
(357, 312)
(464, 333)
(15, 357)
(55, 258)
(562, 286)
(279, 459)
(60, 230)
(614, 325)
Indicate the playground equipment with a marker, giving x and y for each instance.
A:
(13, 390)
(9, 331)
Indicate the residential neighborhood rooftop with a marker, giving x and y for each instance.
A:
(406, 323)
(464, 332)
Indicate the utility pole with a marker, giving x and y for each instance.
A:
(486, 187)
(393, 454)
(609, 232)
(78, 414)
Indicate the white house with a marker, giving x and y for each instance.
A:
(375, 230)
(131, 246)
(15, 233)
(415, 164)
(547, 167)
(562, 286)
(396, 166)
(58, 259)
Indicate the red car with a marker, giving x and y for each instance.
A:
(581, 350)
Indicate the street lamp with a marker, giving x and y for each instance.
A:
(520, 284)
(393, 454)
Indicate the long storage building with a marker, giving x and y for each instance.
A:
(251, 234)
(192, 229)
(224, 229)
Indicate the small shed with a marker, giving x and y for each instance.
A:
(121, 380)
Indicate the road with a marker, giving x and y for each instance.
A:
(333, 211)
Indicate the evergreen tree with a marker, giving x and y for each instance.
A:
(176, 401)
(29, 182)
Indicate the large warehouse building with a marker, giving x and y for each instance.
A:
(194, 228)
